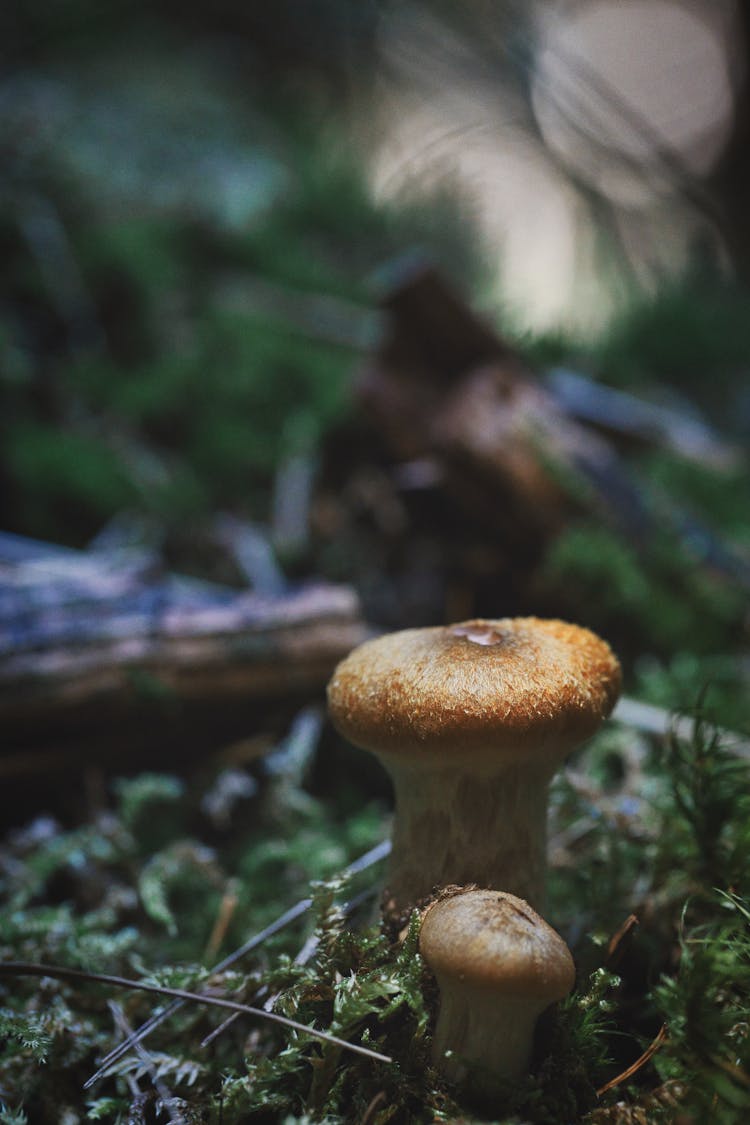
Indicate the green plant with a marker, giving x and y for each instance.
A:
(706, 1007)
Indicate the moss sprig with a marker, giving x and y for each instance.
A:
(706, 1007)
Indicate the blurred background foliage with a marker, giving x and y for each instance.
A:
(190, 242)
(187, 240)
(196, 216)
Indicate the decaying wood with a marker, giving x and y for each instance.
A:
(82, 636)
(444, 387)
(250, 647)
(522, 456)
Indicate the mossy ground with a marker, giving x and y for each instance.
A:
(161, 885)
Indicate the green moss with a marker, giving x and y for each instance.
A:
(138, 904)
(654, 595)
(676, 682)
(696, 325)
(706, 1008)
(68, 478)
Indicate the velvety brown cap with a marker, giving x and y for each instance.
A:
(513, 684)
(493, 939)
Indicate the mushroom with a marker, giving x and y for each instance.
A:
(471, 721)
(498, 965)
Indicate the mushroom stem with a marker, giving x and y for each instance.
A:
(454, 822)
(480, 1039)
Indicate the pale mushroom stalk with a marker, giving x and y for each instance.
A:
(478, 821)
(498, 966)
(471, 721)
(474, 1029)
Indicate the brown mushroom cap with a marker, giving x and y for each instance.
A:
(526, 682)
(491, 939)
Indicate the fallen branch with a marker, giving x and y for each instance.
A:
(58, 972)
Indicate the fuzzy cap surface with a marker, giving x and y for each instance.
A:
(511, 685)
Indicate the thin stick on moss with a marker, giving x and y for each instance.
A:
(158, 1018)
(371, 857)
(158, 1083)
(303, 957)
(58, 972)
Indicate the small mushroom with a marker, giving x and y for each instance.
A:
(498, 966)
(471, 721)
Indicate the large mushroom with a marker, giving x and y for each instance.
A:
(498, 966)
(471, 721)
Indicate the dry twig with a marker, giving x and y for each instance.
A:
(58, 972)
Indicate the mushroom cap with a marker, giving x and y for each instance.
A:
(514, 684)
(491, 939)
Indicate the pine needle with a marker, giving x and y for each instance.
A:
(647, 1055)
